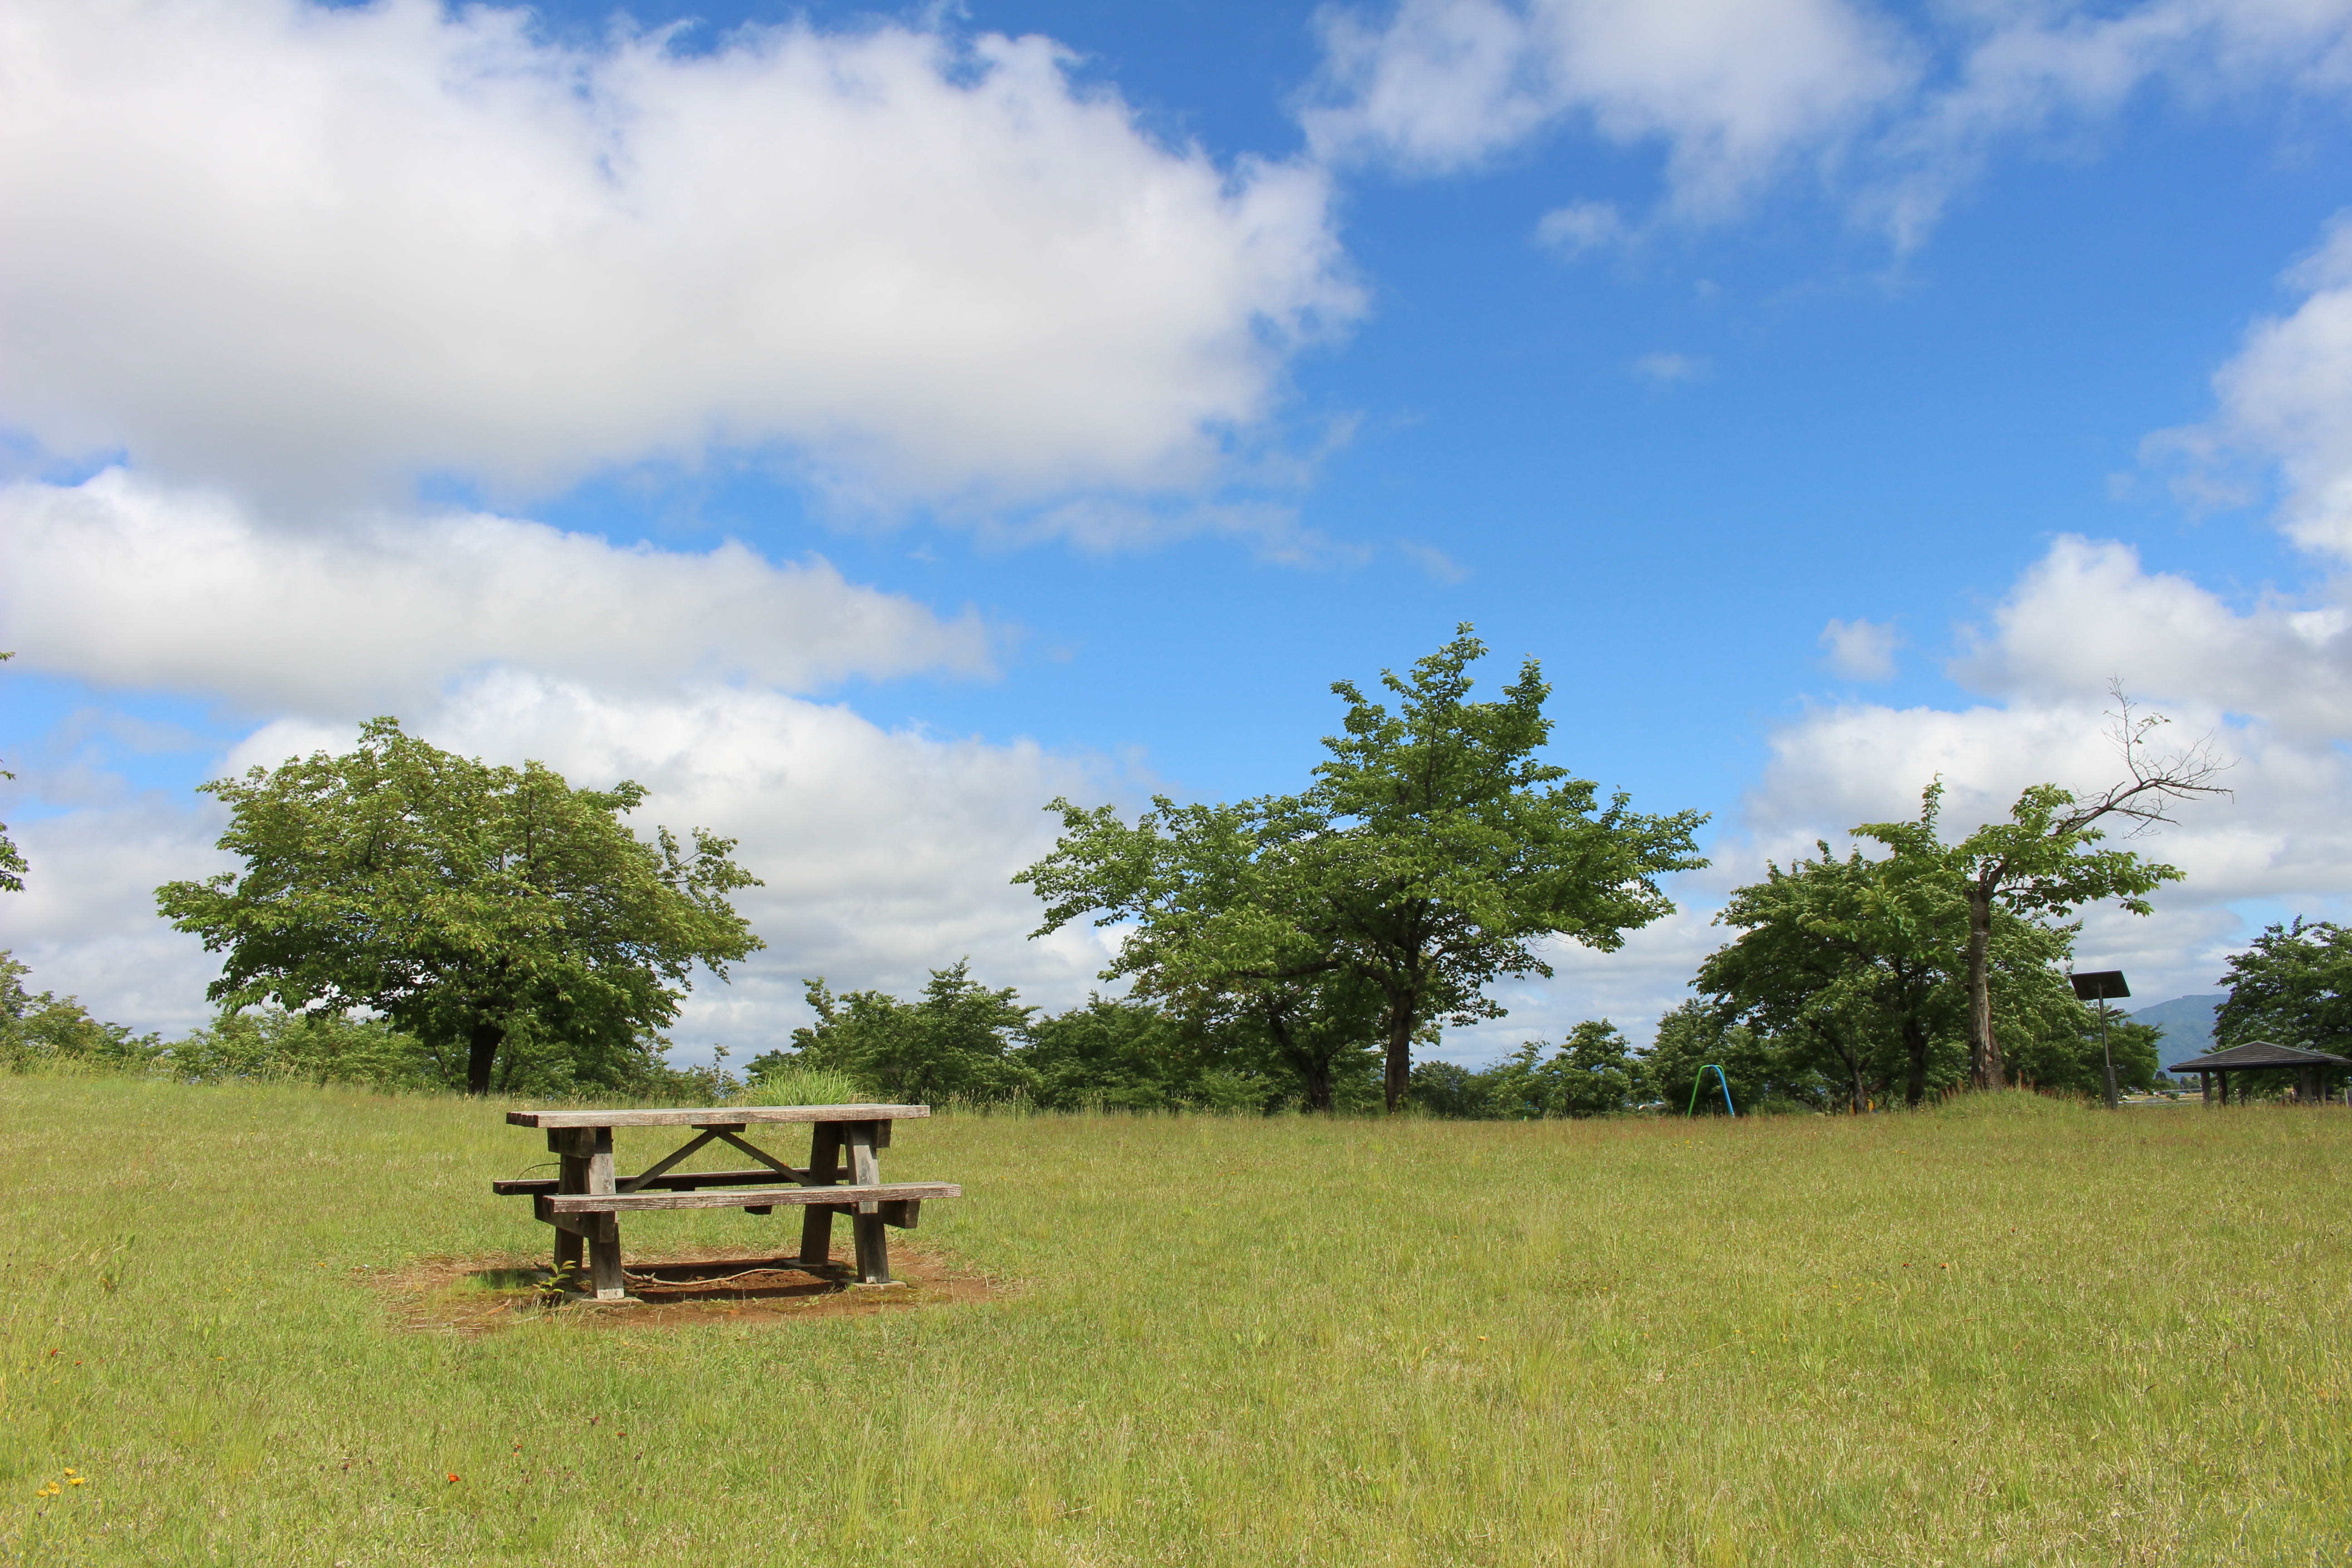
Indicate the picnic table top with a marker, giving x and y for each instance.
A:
(719, 1115)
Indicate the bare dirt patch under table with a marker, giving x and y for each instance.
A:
(484, 1294)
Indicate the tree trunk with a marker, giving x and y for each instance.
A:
(1914, 1049)
(1398, 1079)
(1853, 1060)
(1984, 1050)
(1315, 1074)
(482, 1051)
(1314, 1071)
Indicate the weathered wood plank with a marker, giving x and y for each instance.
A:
(604, 1269)
(823, 1171)
(630, 1203)
(676, 1180)
(568, 1228)
(902, 1213)
(604, 1240)
(585, 1227)
(760, 1154)
(653, 1171)
(722, 1115)
(864, 1168)
(600, 1160)
(873, 1249)
(569, 1256)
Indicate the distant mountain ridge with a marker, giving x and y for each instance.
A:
(2188, 1026)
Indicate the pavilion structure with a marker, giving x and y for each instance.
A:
(2310, 1068)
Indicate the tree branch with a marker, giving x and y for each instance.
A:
(2152, 783)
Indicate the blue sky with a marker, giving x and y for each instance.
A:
(1079, 412)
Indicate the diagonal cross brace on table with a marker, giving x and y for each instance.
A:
(585, 1199)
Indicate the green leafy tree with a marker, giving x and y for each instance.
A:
(1691, 1037)
(2293, 986)
(1592, 1073)
(1839, 958)
(316, 1047)
(1214, 879)
(1115, 1053)
(1315, 1038)
(2064, 1055)
(470, 905)
(2043, 861)
(958, 1041)
(1127, 1054)
(1858, 968)
(1433, 855)
(40, 1028)
(1451, 1090)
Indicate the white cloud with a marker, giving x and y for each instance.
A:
(1893, 110)
(1581, 226)
(123, 581)
(2265, 684)
(1439, 567)
(2287, 398)
(884, 853)
(2019, 71)
(86, 922)
(1860, 649)
(1732, 88)
(2087, 612)
(296, 249)
(1668, 368)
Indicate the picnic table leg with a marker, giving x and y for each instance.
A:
(605, 1239)
(865, 1224)
(823, 1171)
(572, 1177)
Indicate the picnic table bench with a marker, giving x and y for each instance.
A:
(586, 1198)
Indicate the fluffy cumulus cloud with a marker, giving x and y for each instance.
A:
(298, 250)
(1730, 87)
(2062, 66)
(291, 260)
(1893, 109)
(122, 581)
(2088, 612)
(884, 853)
(2263, 684)
(2287, 398)
(86, 921)
(1861, 650)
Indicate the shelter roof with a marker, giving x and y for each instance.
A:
(2260, 1054)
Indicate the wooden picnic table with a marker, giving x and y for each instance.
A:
(584, 1201)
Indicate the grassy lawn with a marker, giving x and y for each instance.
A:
(2009, 1331)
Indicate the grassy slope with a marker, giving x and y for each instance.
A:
(2026, 1333)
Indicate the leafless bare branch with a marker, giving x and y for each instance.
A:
(2153, 781)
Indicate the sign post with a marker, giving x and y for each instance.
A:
(2098, 987)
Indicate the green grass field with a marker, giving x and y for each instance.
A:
(2008, 1331)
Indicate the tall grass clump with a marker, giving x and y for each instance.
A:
(794, 1085)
